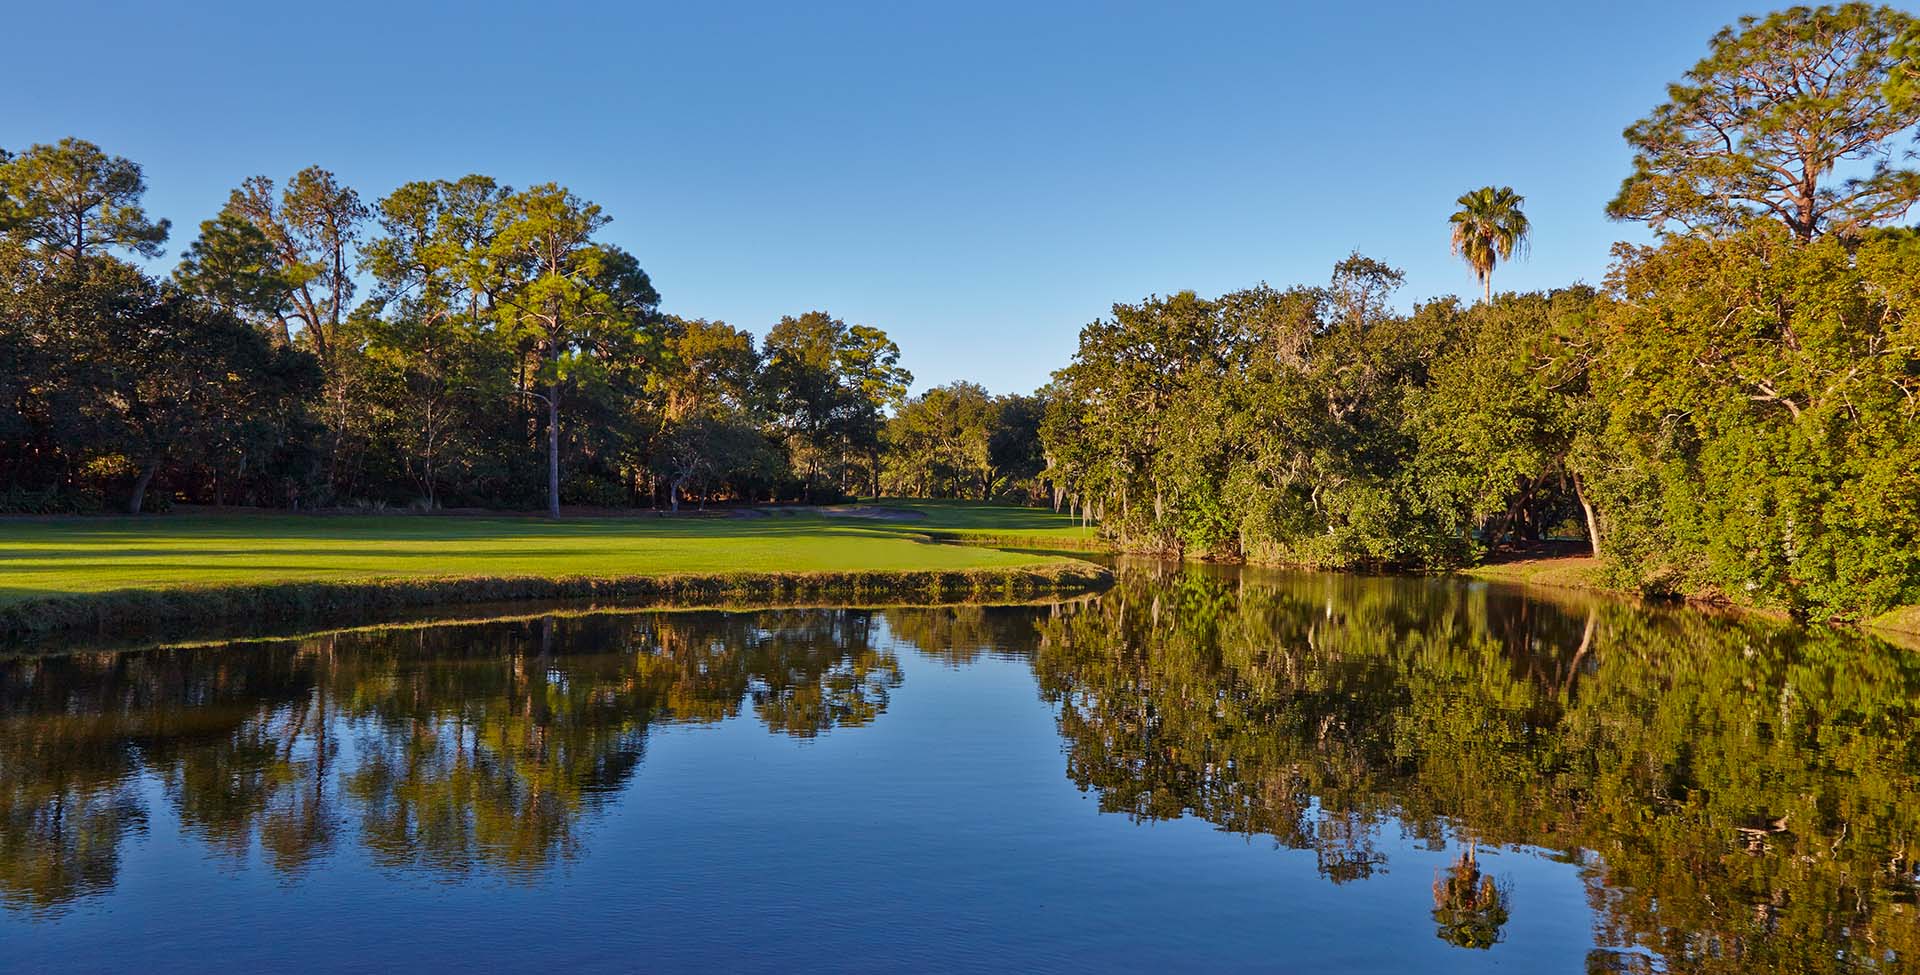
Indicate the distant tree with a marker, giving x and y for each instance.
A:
(940, 443)
(1361, 287)
(827, 384)
(1489, 228)
(704, 382)
(569, 294)
(286, 259)
(1792, 117)
(438, 363)
(870, 362)
(233, 267)
(311, 233)
(705, 362)
(803, 389)
(434, 247)
(1014, 448)
(72, 199)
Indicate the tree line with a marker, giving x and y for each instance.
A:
(1736, 409)
(456, 342)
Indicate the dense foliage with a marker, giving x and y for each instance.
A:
(1734, 414)
(1314, 425)
(960, 441)
(1757, 421)
(457, 342)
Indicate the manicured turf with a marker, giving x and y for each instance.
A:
(1031, 527)
(64, 556)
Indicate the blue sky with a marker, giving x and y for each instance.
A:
(979, 179)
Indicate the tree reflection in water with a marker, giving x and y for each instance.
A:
(1469, 906)
(1737, 795)
(1741, 793)
(449, 749)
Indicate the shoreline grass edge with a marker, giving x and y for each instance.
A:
(321, 601)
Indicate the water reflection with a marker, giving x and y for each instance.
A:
(1742, 796)
(1469, 906)
(447, 749)
(1735, 795)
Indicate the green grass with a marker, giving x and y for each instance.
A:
(1904, 620)
(41, 558)
(972, 521)
(131, 576)
(1559, 573)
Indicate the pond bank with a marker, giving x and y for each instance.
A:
(335, 601)
(1583, 573)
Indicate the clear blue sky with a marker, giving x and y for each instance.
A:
(979, 179)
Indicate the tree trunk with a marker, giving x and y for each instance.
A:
(1593, 521)
(553, 450)
(1486, 294)
(139, 497)
(1586, 643)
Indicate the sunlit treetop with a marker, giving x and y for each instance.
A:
(1797, 117)
(72, 199)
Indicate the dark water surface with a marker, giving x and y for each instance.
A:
(1198, 769)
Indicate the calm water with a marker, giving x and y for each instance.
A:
(1199, 769)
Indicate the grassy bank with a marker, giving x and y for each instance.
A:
(62, 573)
(1561, 573)
(1584, 574)
(1904, 620)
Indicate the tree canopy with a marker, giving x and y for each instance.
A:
(1795, 117)
(454, 342)
(71, 199)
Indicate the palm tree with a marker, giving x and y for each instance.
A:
(1488, 228)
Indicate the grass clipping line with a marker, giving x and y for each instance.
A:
(323, 601)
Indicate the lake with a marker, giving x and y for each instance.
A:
(1202, 768)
